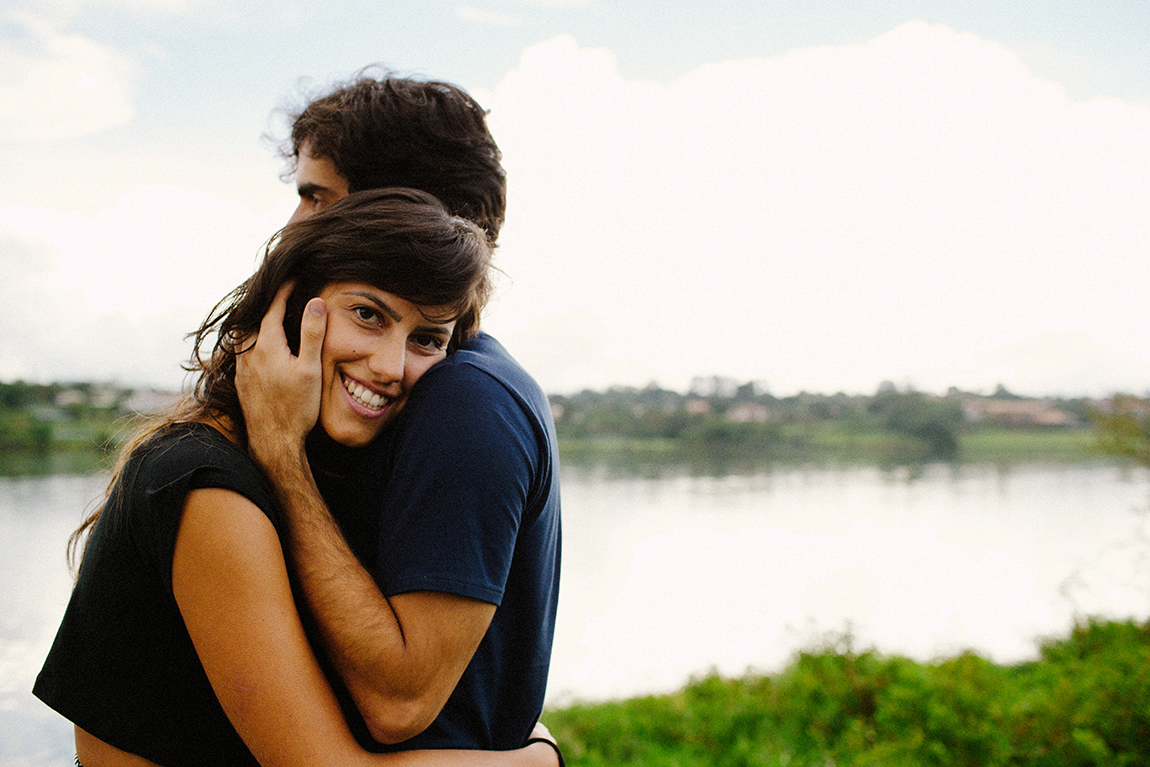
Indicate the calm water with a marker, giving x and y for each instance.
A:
(670, 572)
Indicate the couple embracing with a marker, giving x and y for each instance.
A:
(312, 560)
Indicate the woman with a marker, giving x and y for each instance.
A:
(182, 644)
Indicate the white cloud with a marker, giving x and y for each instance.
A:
(488, 17)
(67, 8)
(919, 208)
(50, 334)
(554, 3)
(66, 85)
(826, 219)
(157, 247)
(111, 296)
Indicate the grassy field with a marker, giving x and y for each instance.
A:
(837, 442)
(1086, 701)
(1034, 444)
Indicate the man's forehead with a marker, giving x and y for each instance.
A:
(319, 172)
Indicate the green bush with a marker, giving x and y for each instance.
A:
(20, 431)
(1086, 701)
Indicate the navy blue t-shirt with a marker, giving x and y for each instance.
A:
(469, 483)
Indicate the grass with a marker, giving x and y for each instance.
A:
(834, 441)
(998, 444)
(1086, 701)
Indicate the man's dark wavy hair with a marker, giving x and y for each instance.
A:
(393, 131)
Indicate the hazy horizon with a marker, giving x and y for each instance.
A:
(820, 198)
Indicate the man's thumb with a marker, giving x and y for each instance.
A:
(312, 328)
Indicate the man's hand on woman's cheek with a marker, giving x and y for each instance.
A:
(278, 391)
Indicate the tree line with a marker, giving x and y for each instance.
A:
(722, 412)
(714, 413)
(51, 416)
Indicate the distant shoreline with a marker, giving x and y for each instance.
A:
(800, 445)
(826, 443)
(76, 427)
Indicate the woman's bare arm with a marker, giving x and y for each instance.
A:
(230, 581)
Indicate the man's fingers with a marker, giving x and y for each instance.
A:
(311, 330)
(275, 316)
(243, 343)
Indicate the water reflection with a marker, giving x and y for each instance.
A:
(607, 460)
(37, 513)
(672, 571)
(677, 565)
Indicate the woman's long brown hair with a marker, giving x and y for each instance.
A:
(402, 241)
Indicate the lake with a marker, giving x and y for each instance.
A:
(671, 570)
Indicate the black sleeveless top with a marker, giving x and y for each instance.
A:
(122, 666)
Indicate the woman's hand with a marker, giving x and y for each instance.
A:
(280, 392)
(540, 733)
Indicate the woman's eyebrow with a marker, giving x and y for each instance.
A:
(383, 307)
(439, 330)
(442, 330)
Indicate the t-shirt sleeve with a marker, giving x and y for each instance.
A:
(462, 465)
(166, 478)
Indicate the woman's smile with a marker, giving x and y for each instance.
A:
(361, 395)
(377, 345)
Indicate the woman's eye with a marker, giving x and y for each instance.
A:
(429, 342)
(366, 313)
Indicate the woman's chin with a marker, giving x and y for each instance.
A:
(344, 437)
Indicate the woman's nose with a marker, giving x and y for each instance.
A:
(387, 360)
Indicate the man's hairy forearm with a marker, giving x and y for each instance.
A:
(400, 657)
(358, 625)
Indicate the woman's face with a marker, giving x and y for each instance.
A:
(376, 347)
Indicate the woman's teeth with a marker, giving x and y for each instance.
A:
(364, 396)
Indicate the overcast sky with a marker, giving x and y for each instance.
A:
(817, 196)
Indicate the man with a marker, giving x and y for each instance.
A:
(447, 640)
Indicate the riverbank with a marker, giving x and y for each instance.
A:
(834, 442)
(725, 422)
(1086, 700)
(85, 448)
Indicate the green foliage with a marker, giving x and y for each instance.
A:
(935, 421)
(1086, 701)
(719, 432)
(19, 395)
(19, 430)
(891, 425)
(1125, 430)
(43, 417)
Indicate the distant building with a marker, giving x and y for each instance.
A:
(698, 407)
(143, 401)
(1022, 412)
(715, 386)
(71, 397)
(749, 413)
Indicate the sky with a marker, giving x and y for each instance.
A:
(815, 196)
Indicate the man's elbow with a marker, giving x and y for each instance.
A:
(390, 720)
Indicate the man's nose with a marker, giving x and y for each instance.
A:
(300, 212)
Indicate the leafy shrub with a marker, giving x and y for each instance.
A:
(1086, 701)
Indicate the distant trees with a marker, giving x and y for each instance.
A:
(40, 417)
(721, 413)
(715, 413)
(1124, 428)
(19, 428)
(935, 421)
